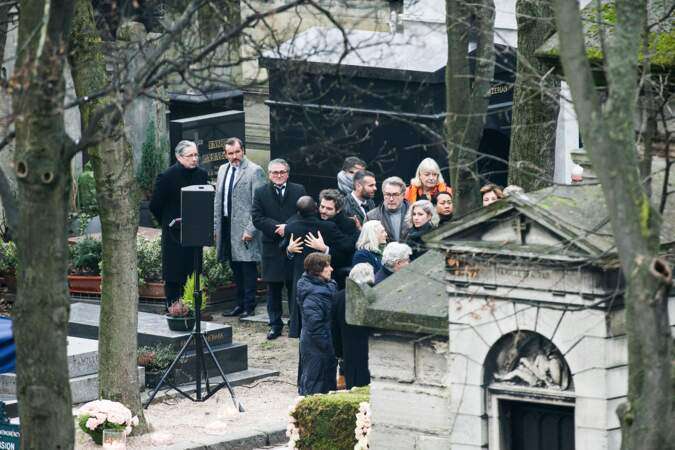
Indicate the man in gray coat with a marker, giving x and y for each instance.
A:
(237, 240)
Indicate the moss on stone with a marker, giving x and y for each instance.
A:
(327, 421)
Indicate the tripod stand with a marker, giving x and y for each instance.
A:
(200, 342)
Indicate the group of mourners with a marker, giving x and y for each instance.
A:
(309, 248)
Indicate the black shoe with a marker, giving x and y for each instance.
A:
(273, 334)
(246, 314)
(235, 312)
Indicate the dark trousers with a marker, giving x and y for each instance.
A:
(173, 290)
(245, 277)
(274, 309)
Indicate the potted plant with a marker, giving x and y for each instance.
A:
(150, 284)
(99, 415)
(8, 262)
(220, 285)
(156, 359)
(180, 316)
(85, 266)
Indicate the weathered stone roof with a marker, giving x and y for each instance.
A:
(662, 38)
(412, 300)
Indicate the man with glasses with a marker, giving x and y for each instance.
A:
(177, 261)
(391, 213)
(273, 204)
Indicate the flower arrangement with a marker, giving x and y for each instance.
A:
(363, 426)
(99, 415)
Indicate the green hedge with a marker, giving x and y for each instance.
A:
(327, 422)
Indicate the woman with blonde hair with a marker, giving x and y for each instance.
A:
(369, 246)
(422, 218)
(428, 182)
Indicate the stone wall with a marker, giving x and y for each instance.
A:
(409, 393)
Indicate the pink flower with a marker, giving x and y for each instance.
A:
(92, 423)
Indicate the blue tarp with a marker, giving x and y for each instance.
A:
(7, 347)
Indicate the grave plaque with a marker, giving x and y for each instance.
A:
(210, 132)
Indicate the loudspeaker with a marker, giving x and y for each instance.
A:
(196, 212)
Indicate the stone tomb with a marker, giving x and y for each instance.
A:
(82, 369)
(153, 329)
(509, 335)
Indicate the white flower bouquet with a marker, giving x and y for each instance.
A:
(363, 427)
(99, 415)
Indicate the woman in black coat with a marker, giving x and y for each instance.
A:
(351, 341)
(422, 218)
(315, 290)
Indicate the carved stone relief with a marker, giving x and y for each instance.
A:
(528, 359)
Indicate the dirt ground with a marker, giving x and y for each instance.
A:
(267, 400)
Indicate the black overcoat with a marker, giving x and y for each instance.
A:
(300, 226)
(267, 213)
(351, 344)
(317, 366)
(177, 262)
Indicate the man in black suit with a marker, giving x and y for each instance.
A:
(305, 233)
(273, 205)
(177, 261)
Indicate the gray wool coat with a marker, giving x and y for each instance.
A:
(248, 177)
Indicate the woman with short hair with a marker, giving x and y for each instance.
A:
(315, 291)
(422, 218)
(428, 182)
(370, 244)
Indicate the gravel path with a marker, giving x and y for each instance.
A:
(176, 420)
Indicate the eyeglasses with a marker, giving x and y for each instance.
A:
(391, 194)
(278, 172)
(192, 155)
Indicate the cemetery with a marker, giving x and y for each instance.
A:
(154, 157)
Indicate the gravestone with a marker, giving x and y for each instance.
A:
(153, 330)
(82, 370)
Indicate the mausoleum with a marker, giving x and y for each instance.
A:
(508, 334)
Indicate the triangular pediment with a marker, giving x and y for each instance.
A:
(515, 226)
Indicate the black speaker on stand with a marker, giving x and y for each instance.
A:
(196, 230)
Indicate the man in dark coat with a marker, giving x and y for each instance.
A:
(391, 213)
(177, 261)
(305, 233)
(331, 203)
(273, 204)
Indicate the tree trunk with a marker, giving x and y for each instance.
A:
(609, 136)
(117, 196)
(535, 103)
(42, 164)
(467, 96)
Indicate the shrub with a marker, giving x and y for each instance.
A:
(327, 422)
(152, 162)
(86, 192)
(217, 273)
(149, 259)
(8, 258)
(156, 358)
(85, 257)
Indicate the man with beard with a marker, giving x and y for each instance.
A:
(177, 261)
(360, 200)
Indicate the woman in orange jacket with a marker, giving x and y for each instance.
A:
(428, 182)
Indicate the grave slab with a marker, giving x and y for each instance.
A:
(152, 328)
